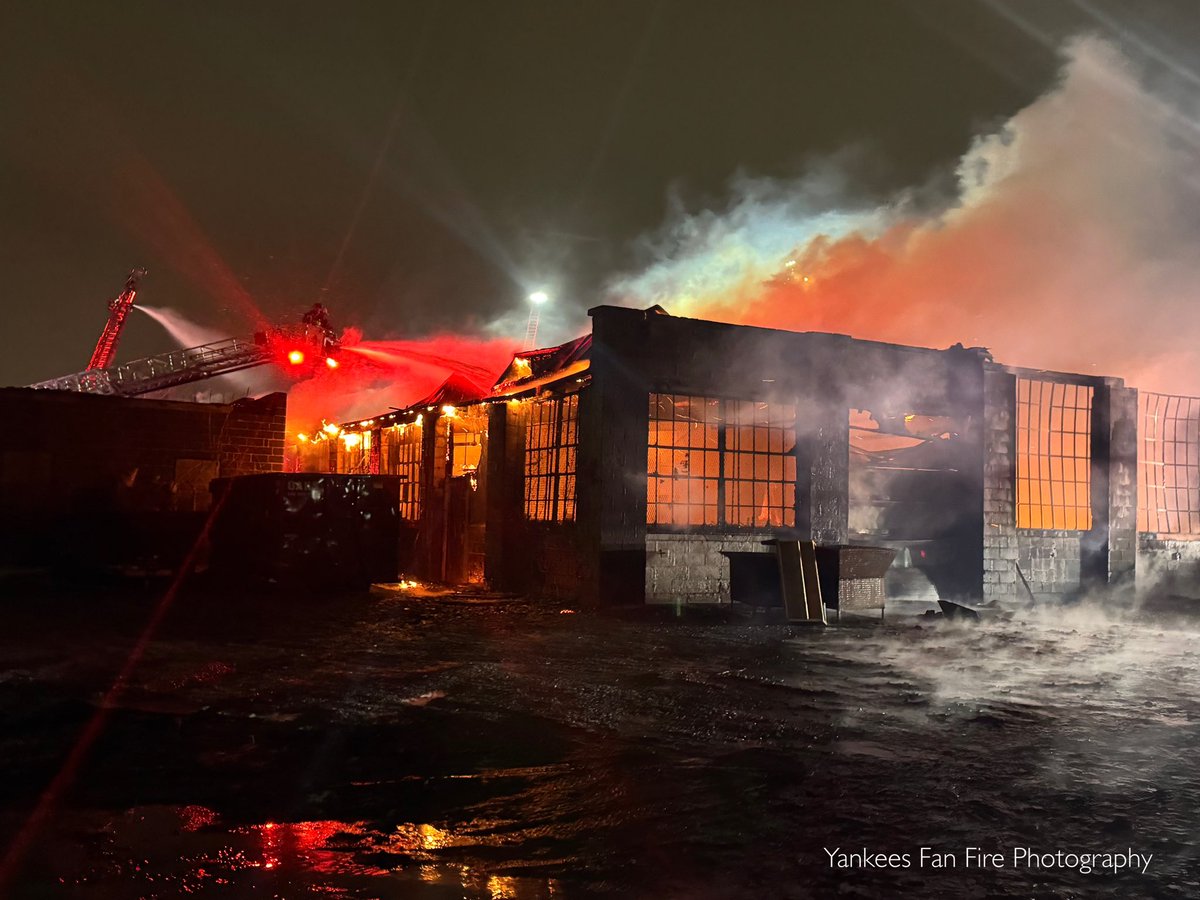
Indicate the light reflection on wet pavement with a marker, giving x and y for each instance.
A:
(396, 748)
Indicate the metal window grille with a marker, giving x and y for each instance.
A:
(469, 433)
(551, 442)
(354, 452)
(401, 455)
(715, 462)
(1054, 455)
(1169, 464)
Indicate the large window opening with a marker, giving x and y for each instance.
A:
(354, 452)
(551, 442)
(1169, 464)
(1054, 455)
(400, 455)
(720, 463)
(469, 435)
(904, 475)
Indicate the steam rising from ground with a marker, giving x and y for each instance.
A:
(1070, 242)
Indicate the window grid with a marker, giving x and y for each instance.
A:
(551, 444)
(715, 462)
(1054, 455)
(354, 452)
(401, 455)
(1169, 464)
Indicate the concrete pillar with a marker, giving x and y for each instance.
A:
(1001, 579)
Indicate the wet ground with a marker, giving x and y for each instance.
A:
(397, 746)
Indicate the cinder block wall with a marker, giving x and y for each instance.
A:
(685, 568)
(1001, 548)
(1168, 565)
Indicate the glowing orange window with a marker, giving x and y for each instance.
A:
(1054, 455)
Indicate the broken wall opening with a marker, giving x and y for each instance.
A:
(911, 486)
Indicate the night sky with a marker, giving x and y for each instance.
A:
(423, 166)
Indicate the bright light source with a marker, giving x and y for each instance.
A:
(449, 411)
(331, 362)
(539, 297)
(295, 357)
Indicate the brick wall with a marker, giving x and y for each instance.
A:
(67, 459)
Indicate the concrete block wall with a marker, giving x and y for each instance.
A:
(1167, 565)
(1001, 550)
(690, 568)
(1050, 560)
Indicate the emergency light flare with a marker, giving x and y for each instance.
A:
(296, 357)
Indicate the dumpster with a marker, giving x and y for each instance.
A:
(306, 529)
(852, 575)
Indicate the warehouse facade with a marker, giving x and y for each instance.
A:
(637, 462)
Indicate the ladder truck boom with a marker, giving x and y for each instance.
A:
(301, 350)
(118, 311)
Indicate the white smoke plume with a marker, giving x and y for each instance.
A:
(224, 388)
(1071, 241)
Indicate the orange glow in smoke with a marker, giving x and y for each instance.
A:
(331, 362)
(296, 357)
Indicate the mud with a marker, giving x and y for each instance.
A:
(400, 746)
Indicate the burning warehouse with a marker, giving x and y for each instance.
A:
(645, 459)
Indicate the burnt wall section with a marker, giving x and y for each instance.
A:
(542, 559)
(636, 353)
(100, 474)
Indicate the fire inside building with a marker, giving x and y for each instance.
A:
(655, 459)
(650, 459)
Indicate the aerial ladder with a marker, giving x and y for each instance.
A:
(298, 349)
(118, 311)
